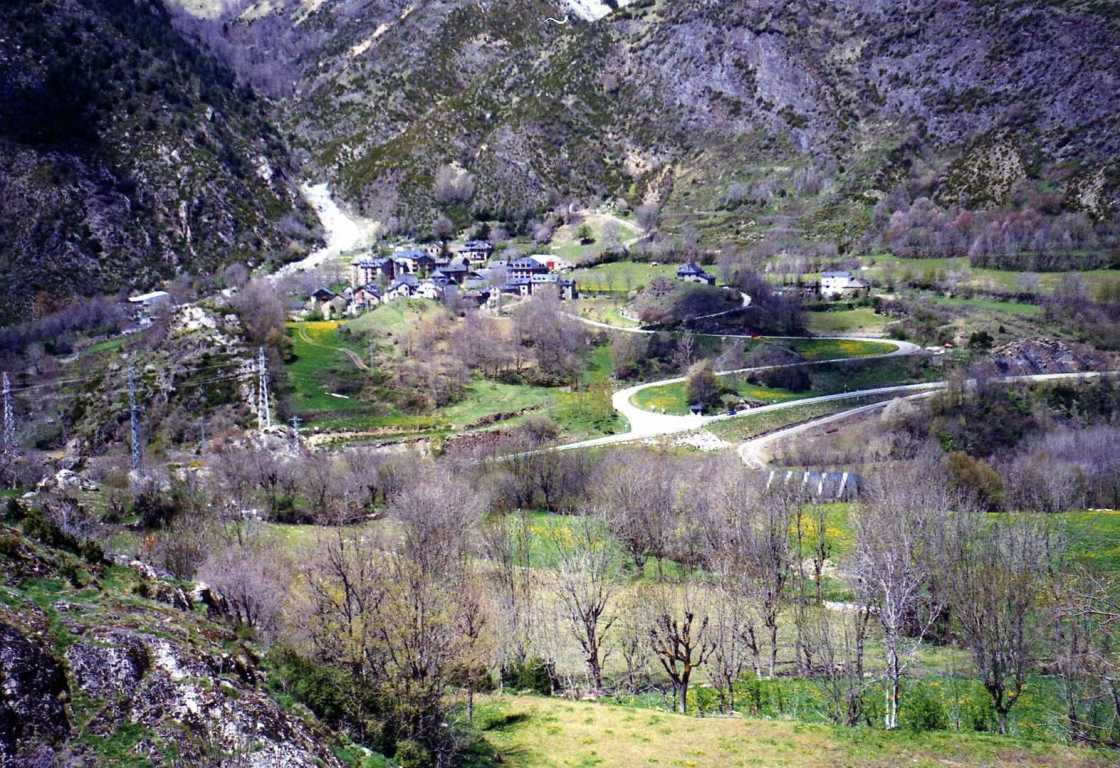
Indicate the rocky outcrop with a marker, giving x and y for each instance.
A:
(33, 691)
(1029, 357)
(135, 676)
(127, 155)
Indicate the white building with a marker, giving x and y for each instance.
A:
(146, 302)
(836, 285)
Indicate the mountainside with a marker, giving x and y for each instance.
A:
(107, 665)
(127, 154)
(675, 101)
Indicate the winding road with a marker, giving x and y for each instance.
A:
(647, 424)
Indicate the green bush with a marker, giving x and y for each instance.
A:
(977, 714)
(703, 701)
(412, 754)
(923, 710)
(533, 674)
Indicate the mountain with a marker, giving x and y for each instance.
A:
(127, 154)
(678, 101)
(139, 138)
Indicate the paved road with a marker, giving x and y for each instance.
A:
(754, 452)
(647, 424)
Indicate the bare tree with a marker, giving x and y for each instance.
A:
(679, 635)
(261, 309)
(647, 215)
(838, 639)
(253, 582)
(997, 574)
(635, 494)
(1086, 626)
(731, 629)
(453, 185)
(897, 536)
(586, 585)
(632, 638)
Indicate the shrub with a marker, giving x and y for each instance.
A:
(923, 711)
(533, 674)
(412, 754)
(977, 477)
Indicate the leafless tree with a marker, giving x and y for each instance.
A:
(897, 537)
(838, 639)
(631, 632)
(506, 545)
(731, 632)
(453, 185)
(685, 354)
(253, 581)
(261, 309)
(635, 494)
(647, 215)
(679, 635)
(997, 575)
(586, 586)
(443, 229)
(1086, 637)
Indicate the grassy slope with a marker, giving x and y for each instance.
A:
(620, 275)
(549, 733)
(998, 280)
(746, 427)
(321, 359)
(858, 320)
(671, 398)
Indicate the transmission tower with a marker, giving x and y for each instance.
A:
(134, 420)
(264, 419)
(9, 416)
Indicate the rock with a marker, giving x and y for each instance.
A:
(1037, 356)
(32, 690)
(109, 666)
(143, 570)
(63, 480)
(215, 604)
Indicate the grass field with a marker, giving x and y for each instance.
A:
(1017, 308)
(604, 310)
(621, 276)
(752, 425)
(387, 323)
(672, 398)
(827, 378)
(858, 320)
(566, 244)
(532, 732)
(325, 358)
(996, 280)
(321, 361)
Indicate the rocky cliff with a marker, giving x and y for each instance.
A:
(678, 101)
(126, 155)
(108, 665)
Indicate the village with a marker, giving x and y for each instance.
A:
(472, 275)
